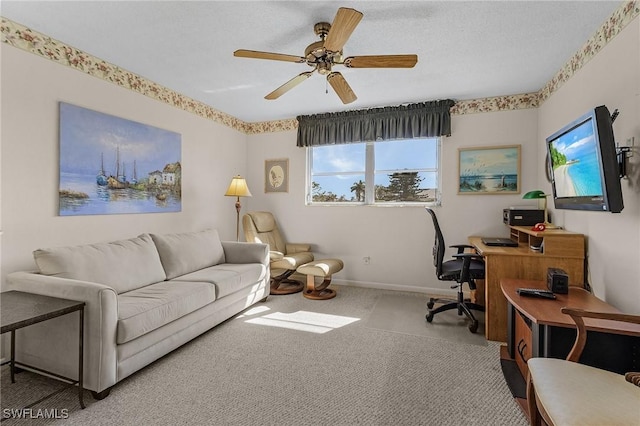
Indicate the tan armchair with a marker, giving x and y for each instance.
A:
(564, 392)
(261, 227)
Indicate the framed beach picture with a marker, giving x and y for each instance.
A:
(111, 165)
(276, 175)
(489, 170)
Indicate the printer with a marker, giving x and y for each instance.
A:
(522, 217)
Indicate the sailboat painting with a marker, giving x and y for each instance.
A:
(111, 165)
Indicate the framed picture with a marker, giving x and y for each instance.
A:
(111, 165)
(489, 170)
(276, 175)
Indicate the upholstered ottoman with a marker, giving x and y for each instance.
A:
(323, 268)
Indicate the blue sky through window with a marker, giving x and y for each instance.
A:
(337, 167)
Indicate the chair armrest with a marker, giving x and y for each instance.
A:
(467, 257)
(581, 338)
(275, 255)
(241, 252)
(461, 247)
(633, 377)
(100, 327)
(297, 247)
(465, 274)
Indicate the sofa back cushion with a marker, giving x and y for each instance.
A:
(123, 265)
(189, 251)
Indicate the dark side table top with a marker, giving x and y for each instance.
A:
(547, 311)
(19, 309)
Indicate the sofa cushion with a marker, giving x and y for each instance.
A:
(228, 277)
(123, 265)
(146, 309)
(190, 251)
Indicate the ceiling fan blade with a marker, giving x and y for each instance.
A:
(288, 85)
(342, 88)
(343, 25)
(243, 53)
(381, 61)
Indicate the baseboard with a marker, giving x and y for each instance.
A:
(396, 287)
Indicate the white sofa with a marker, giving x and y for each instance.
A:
(144, 297)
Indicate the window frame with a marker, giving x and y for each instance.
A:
(369, 174)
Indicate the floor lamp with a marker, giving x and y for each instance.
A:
(238, 188)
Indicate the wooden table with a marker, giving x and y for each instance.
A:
(562, 249)
(19, 309)
(610, 345)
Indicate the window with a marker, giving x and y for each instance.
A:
(384, 172)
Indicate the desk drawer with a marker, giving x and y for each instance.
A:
(522, 343)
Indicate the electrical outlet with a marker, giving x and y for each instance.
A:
(366, 260)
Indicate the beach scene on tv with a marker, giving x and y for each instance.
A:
(576, 168)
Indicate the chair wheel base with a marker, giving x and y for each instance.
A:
(286, 287)
(319, 294)
(429, 316)
(473, 327)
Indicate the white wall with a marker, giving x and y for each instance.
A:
(611, 78)
(31, 89)
(398, 239)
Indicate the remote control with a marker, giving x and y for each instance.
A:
(535, 292)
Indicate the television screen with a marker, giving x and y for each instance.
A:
(584, 166)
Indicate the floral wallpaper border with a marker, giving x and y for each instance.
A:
(32, 41)
(626, 13)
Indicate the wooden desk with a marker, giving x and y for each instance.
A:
(610, 345)
(562, 249)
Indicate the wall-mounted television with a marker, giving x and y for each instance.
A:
(583, 164)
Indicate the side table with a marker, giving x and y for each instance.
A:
(538, 328)
(19, 309)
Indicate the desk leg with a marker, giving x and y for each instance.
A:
(13, 356)
(511, 330)
(538, 337)
(81, 358)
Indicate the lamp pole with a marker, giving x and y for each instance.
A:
(238, 188)
(238, 207)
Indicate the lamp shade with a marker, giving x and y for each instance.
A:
(534, 194)
(238, 188)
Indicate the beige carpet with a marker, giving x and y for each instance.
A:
(299, 362)
(405, 313)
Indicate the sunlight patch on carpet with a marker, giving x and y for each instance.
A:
(254, 311)
(312, 322)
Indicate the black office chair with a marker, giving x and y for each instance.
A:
(464, 268)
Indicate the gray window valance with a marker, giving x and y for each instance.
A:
(426, 119)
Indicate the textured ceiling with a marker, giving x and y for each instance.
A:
(466, 49)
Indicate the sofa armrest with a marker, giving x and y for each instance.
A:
(297, 247)
(241, 252)
(100, 326)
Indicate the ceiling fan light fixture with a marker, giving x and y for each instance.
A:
(324, 67)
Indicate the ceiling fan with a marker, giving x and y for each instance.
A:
(324, 54)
